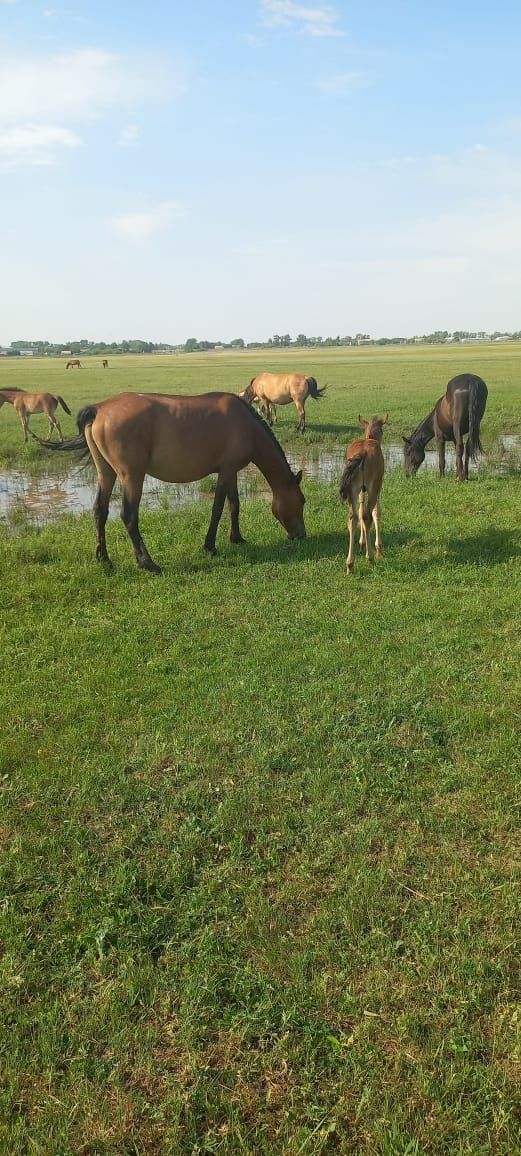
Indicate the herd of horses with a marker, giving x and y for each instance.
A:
(184, 439)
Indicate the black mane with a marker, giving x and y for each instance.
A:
(267, 429)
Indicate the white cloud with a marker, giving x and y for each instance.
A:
(129, 134)
(80, 85)
(342, 83)
(317, 21)
(34, 144)
(139, 227)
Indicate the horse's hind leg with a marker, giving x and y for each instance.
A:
(233, 502)
(361, 503)
(132, 491)
(460, 472)
(221, 492)
(350, 561)
(25, 423)
(378, 536)
(302, 417)
(467, 456)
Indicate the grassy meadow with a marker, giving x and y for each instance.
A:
(260, 871)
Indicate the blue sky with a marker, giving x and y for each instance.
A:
(222, 170)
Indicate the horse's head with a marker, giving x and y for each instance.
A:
(413, 456)
(375, 427)
(288, 506)
(248, 394)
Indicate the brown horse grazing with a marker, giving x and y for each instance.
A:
(182, 439)
(363, 474)
(105, 363)
(272, 389)
(27, 403)
(459, 412)
(74, 364)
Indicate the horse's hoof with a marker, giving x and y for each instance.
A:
(240, 541)
(212, 550)
(150, 566)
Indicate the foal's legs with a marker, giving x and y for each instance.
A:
(353, 500)
(378, 536)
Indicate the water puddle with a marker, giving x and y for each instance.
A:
(44, 496)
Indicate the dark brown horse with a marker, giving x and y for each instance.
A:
(457, 413)
(75, 363)
(182, 439)
(27, 403)
(273, 389)
(105, 363)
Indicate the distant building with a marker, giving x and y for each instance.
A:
(27, 353)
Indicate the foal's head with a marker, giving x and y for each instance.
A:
(374, 428)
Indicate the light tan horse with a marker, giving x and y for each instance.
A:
(272, 389)
(363, 474)
(26, 404)
(75, 363)
(182, 439)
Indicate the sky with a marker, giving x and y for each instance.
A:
(240, 169)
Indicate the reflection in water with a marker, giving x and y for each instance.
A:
(43, 497)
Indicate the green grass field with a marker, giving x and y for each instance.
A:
(260, 822)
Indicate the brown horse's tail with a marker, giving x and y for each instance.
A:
(313, 389)
(351, 468)
(85, 417)
(63, 404)
(477, 401)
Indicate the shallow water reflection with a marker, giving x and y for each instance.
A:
(44, 496)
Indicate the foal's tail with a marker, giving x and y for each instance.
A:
(351, 468)
(313, 389)
(476, 411)
(63, 403)
(85, 417)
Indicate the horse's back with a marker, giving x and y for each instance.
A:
(279, 387)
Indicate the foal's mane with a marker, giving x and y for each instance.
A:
(267, 430)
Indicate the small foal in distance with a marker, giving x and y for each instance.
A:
(363, 474)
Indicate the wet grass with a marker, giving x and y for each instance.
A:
(260, 833)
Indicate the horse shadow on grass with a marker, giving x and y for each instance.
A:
(491, 548)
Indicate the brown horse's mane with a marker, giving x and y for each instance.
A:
(267, 429)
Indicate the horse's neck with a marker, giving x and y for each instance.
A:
(270, 458)
(424, 431)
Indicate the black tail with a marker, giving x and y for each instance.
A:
(351, 468)
(314, 391)
(63, 404)
(477, 401)
(85, 417)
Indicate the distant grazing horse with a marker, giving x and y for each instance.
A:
(74, 364)
(363, 474)
(272, 389)
(27, 403)
(459, 412)
(182, 439)
(105, 363)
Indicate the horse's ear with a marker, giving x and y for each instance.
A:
(298, 477)
(361, 420)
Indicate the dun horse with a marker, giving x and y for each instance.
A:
(26, 404)
(459, 412)
(182, 439)
(74, 364)
(363, 474)
(272, 389)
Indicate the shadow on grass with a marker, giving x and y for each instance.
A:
(490, 548)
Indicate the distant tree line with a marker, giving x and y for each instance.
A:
(85, 348)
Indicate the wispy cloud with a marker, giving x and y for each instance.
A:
(342, 83)
(141, 226)
(129, 134)
(321, 20)
(35, 144)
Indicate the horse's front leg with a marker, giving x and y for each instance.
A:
(217, 509)
(233, 502)
(441, 456)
